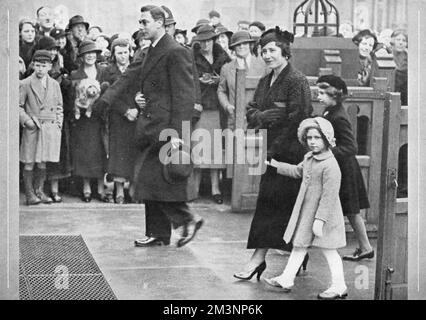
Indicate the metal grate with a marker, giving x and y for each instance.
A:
(79, 287)
(24, 292)
(60, 268)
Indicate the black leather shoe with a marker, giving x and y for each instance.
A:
(151, 242)
(359, 255)
(189, 232)
(87, 197)
(218, 198)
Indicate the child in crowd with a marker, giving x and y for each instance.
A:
(317, 217)
(41, 115)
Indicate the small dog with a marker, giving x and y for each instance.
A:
(88, 91)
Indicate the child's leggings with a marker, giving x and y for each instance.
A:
(286, 279)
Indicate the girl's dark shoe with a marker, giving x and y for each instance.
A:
(359, 255)
(87, 197)
(218, 198)
(56, 198)
(304, 264)
(247, 275)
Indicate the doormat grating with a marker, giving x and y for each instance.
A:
(60, 268)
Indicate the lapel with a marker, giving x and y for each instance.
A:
(277, 81)
(155, 54)
(37, 88)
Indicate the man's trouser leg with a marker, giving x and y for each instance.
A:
(157, 224)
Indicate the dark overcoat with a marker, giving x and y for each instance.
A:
(353, 194)
(87, 144)
(165, 76)
(277, 194)
(122, 151)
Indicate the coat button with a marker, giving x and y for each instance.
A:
(148, 115)
(51, 109)
(53, 121)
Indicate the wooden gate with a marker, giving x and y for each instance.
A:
(392, 245)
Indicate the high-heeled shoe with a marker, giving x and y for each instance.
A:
(304, 264)
(247, 275)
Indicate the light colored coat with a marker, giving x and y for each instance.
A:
(318, 198)
(44, 107)
(226, 88)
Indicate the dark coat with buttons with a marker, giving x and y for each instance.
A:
(165, 76)
(353, 194)
(277, 193)
(87, 142)
(122, 151)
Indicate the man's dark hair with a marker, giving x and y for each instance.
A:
(41, 8)
(157, 13)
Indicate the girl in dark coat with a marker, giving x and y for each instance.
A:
(87, 146)
(281, 101)
(121, 129)
(209, 59)
(353, 194)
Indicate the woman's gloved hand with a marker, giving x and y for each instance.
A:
(317, 228)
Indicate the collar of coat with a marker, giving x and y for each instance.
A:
(331, 109)
(80, 74)
(37, 86)
(156, 53)
(220, 57)
(320, 157)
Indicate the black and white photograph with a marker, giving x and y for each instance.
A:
(212, 151)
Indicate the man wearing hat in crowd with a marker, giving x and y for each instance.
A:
(214, 17)
(41, 116)
(256, 28)
(243, 25)
(78, 29)
(165, 78)
(241, 43)
(170, 23)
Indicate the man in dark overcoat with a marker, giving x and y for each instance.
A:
(165, 76)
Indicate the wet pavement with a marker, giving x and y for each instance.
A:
(201, 270)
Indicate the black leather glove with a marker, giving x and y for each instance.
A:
(271, 115)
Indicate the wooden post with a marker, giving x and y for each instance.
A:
(384, 67)
(385, 265)
(9, 160)
(331, 59)
(245, 187)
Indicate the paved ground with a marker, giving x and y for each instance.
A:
(201, 270)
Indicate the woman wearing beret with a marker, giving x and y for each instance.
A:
(281, 101)
(180, 36)
(353, 194)
(87, 146)
(121, 128)
(209, 59)
(366, 41)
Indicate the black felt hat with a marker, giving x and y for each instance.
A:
(277, 35)
(77, 20)
(334, 81)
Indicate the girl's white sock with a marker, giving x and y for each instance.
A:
(336, 268)
(286, 279)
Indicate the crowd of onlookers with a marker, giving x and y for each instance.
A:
(94, 148)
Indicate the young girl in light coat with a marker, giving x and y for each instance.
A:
(317, 218)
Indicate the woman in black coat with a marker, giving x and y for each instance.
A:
(87, 142)
(122, 151)
(209, 59)
(281, 101)
(353, 194)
